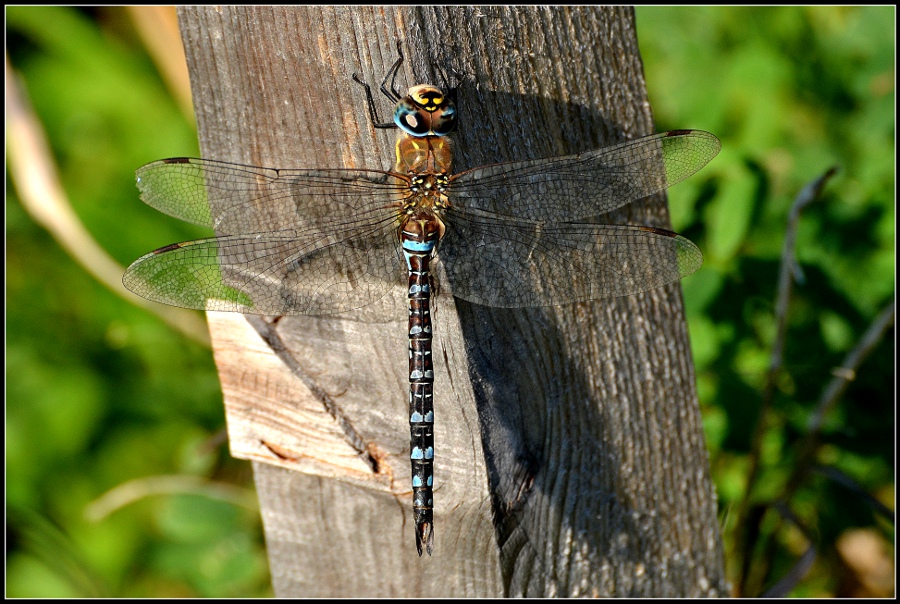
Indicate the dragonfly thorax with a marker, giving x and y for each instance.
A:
(423, 155)
(429, 184)
(428, 194)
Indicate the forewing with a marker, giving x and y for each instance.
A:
(234, 199)
(516, 263)
(575, 187)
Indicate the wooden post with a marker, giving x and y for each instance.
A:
(569, 453)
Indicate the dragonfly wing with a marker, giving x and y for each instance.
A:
(516, 263)
(235, 199)
(281, 273)
(575, 187)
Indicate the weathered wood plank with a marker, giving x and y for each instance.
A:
(570, 456)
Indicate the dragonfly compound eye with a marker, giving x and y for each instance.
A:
(425, 111)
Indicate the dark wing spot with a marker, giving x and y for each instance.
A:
(168, 248)
(662, 232)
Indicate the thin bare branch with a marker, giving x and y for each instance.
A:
(837, 476)
(843, 375)
(831, 394)
(792, 578)
(789, 269)
(809, 446)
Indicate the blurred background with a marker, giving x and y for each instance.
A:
(118, 478)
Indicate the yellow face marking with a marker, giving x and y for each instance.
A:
(427, 96)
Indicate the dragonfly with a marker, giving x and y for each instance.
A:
(331, 241)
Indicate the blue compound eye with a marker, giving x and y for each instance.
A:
(411, 118)
(443, 121)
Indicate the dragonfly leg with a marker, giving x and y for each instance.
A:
(393, 94)
(373, 112)
(458, 78)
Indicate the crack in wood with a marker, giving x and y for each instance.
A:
(268, 332)
(280, 452)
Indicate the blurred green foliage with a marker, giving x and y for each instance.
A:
(791, 92)
(101, 393)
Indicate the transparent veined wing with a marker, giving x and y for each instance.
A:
(235, 199)
(511, 263)
(280, 273)
(586, 185)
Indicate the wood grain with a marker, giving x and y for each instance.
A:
(570, 457)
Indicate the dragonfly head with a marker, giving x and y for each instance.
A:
(425, 111)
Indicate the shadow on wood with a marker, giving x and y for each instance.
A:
(570, 455)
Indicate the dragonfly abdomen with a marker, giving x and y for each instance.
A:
(418, 238)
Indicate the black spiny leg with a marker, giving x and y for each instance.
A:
(445, 84)
(391, 75)
(373, 113)
(448, 88)
(390, 93)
